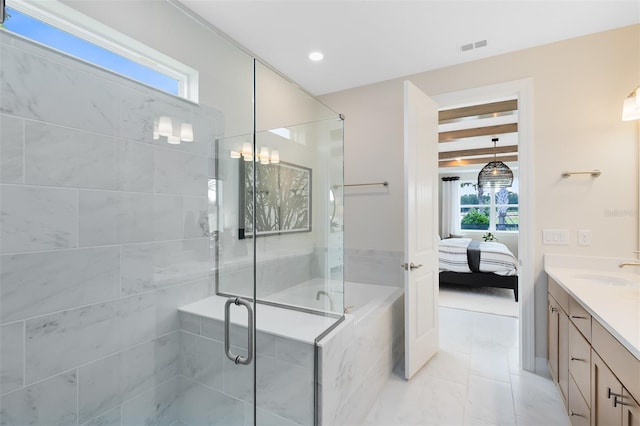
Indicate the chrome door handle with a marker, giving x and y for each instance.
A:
(410, 266)
(239, 359)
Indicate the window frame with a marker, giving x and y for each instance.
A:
(493, 210)
(71, 21)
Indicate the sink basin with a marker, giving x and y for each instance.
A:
(604, 279)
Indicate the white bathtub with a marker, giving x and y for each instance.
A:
(354, 359)
(358, 299)
(358, 356)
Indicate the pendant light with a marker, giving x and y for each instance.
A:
(495, 174)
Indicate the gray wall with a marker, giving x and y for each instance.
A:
(100, 241)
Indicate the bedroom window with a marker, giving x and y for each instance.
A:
(488, 210)
(61, 28)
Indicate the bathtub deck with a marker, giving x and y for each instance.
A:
(300, 326)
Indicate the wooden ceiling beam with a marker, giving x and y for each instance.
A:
(456, 163)
(480, 151)
(477, 131)
(474, 110)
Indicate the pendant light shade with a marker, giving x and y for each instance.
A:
(495, 174)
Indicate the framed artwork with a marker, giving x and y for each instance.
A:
(283, 198)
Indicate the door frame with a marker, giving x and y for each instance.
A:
(523, 90)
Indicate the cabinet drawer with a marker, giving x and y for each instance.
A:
(579, 412)
(580, 317)
(558, 293)
(580, 361)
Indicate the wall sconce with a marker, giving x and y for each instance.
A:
(631, 106)
(163, 126)
(186, 132)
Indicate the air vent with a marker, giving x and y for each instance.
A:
(470, 46)
(466, 47)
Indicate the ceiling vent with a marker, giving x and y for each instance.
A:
(470, 46)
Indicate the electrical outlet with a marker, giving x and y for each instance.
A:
(584, 237)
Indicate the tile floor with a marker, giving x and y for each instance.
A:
(473, 380)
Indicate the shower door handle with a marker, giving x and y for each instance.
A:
(239, 359)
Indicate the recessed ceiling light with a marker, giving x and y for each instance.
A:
(316, 56)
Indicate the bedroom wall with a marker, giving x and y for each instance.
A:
(579, 86)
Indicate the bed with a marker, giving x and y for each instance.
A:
(463, 261)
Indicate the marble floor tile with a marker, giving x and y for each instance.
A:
(530, 392)
(490, 400)
(475, 379)
(490, 364)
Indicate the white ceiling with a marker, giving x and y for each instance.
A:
(368, 41)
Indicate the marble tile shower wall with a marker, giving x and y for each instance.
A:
(103, 235)
(380, 267)
(284, 376)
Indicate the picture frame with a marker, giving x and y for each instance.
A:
(283, 199)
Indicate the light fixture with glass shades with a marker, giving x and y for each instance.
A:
(495, 174)
(631, 106)
(163, 126)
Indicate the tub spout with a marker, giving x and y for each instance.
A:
(322, 292)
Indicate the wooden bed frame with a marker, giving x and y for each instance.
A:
(481, 279)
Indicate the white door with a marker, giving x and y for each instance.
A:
(420, 228)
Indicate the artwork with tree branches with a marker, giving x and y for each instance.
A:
(283, 198)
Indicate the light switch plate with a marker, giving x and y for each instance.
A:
(555, 237)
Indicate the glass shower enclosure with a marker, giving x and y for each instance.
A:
(148, 277)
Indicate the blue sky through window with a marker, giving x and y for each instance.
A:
(33, 29)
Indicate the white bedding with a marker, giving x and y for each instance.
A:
(494, 257)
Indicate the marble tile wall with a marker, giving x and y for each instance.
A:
(380, 267)
(356, 360)
(285, 376)
(101, 239)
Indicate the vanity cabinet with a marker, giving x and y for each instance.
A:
(558, 339)
(597, 376)
(631, 411)
(605, 387)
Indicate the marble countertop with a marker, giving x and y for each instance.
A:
(609, 293)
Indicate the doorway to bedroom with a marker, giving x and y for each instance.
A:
(479, 220)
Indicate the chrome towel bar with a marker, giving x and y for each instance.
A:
(594, 173)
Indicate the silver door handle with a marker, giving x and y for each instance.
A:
(410, 266)
(238, 359)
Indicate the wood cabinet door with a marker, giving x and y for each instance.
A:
(563, 355)
(552, 337)
(603, 385)
(630, 411)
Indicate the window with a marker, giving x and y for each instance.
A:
(65, 30)
(488, 209)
